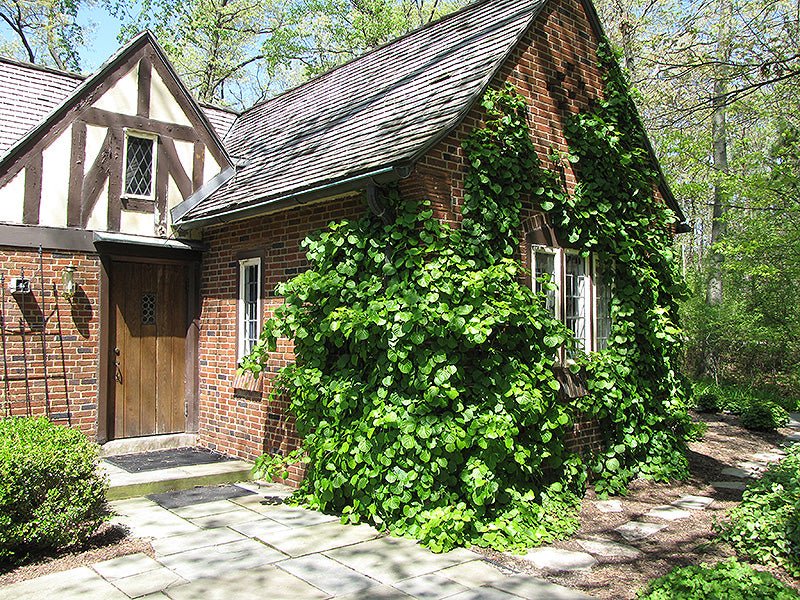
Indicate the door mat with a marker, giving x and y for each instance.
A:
(165, 459)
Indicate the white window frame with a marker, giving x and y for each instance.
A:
(588, 298)
(135, 133)
(244, 345)
(590, 292)
(557, 277)
(596, 279)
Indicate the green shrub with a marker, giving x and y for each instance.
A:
(734, 398)
(728, 579)
(763, 416)
(707, 402)
(50, 493)
(765, 527)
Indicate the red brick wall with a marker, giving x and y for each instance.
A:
(237, 421)
(64, 386)
(554, 66)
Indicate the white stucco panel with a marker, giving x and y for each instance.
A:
(55, 181)
(95, 136)
(185, 152)
(211, 167)
(122, 96)
(163, 106)
(12, 198)
(98, 220)
(173, 194)
(137, 223)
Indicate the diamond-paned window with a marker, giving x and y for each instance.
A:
(148, 309)
(139, 166)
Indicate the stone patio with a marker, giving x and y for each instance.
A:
(218, 544)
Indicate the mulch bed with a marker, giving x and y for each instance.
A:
(683, 542)
(110, 541)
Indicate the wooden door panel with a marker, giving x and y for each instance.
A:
(150, 312)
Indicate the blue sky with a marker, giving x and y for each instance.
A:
(101, 35)
(102, 38)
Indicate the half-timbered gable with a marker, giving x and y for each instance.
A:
(116, 154)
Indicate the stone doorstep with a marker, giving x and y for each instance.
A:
(130, 485)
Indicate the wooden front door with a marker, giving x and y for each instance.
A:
(149, 310)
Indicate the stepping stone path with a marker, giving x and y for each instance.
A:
(693, 502)
(597, 546)
(608, 506)
(638, 530)
(553, 559)
(668, 513)
(600, 546)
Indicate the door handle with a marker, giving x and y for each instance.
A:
(117, 370)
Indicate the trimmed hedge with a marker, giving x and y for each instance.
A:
(729, 579)
(51, 495)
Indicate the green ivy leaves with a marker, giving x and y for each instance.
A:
(424, 384)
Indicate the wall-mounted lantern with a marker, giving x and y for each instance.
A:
(19, 285)
(68, 283)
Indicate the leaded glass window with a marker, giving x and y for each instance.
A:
(544, 268)
(139, 166)
(580, 295)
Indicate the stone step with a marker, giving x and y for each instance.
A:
(124, 485)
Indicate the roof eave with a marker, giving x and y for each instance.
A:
(381, 176)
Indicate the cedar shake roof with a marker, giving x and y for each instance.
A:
(220, 118)
(28, 93)
(382, 110)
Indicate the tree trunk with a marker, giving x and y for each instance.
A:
(719, 140)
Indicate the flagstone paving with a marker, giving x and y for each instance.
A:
(221, 545)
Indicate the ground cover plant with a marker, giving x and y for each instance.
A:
(727, 579)
(51, 495)
(765, 527)
(424, 385)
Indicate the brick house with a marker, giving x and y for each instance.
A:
(223, 221)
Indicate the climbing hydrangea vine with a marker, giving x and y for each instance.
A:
(424, 385)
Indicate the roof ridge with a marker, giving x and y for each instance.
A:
(43, 68)
(467, 7)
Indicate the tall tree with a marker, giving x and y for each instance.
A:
(47, 31)
(241, 51)
(216, 45)
(719, 142)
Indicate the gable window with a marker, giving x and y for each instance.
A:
(140, 162)
(249, 304)
(580, 297)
